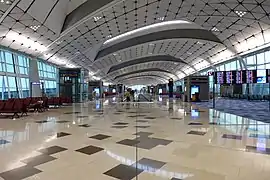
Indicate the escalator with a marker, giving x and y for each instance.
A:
(144, 98)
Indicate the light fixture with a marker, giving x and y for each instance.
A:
(70, 65)
(215, 29)
(199, 43)
(151, 44)
(26, 42)
(161, 18)
(109, 36)
(240, 13)
(35, 27)
(189, 53)
(147, 28)
(6, 2)
(96, 18)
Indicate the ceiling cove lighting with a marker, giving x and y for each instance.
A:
(147, 28)
(26, 42)
(240, 13)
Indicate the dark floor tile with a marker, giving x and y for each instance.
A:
(52, 150)
(259, 150)
(260, 136)
(72, 112)
(175, 118)
(89, 150)
(2, 141)
(82, 116)
(119, 127)
(213, 123)
(232, 136)
(195, 124)
(123, 172)
(128, 142)
(120, 123)
(84, 125)
(37, 160)
(19, 173)
(151, 163)
(142, 121)
(62, 134)
(144, 134)
(41, 122)
(62, 121)
(197, 133)
(117, 113)
(141, 126)
(100, 136)
(149, 117)
(139, 115)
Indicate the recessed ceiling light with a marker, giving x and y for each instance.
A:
(215, 29)
(109, 36)
(115, 54)
(151, 44)
(96, 18)
(8, 2)
(161, 18)
(189, 53)
(35, 27)
(240, 13)
(199, 43)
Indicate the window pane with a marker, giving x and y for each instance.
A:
(8, 57)
(10, 68)
(260, 58)
(11, 82)
(233, 65)
(251, 60)
(267, 57)
(21, 61)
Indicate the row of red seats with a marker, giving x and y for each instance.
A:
(14, 107)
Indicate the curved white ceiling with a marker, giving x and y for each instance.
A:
(240, 25)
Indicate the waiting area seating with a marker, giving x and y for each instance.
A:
(248, 97)
(16, 108)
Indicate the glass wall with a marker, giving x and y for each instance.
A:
(48, 75)
(254, 61)
(14, 75)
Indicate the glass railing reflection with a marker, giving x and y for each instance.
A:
(234, 123)
(148, 169)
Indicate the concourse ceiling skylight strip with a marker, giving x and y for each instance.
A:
(146, 28)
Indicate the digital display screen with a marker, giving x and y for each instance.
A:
(251, 76)
(230, 77)
(194, 89)
(240, 77)
(210, 73)
(220, 77)
(261, 76)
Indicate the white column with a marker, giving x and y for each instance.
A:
(34, 77)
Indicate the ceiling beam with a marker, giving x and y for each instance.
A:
(156, 58)
(199, 34)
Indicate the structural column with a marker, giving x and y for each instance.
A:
(170, 84)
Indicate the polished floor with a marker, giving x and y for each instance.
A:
(145, 141)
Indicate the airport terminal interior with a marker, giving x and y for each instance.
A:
(134, 89)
